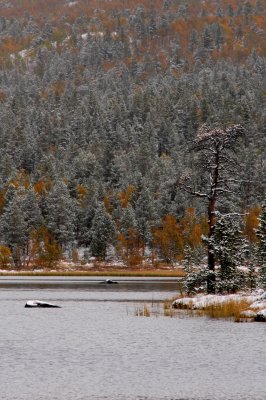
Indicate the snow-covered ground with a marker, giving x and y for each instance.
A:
(200, 302)
(256, 308)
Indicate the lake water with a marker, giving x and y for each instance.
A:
(95, 348)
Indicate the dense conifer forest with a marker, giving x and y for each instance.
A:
(106, 108)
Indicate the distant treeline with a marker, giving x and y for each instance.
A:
(100, 103)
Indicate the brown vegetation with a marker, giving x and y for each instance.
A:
(229, 309)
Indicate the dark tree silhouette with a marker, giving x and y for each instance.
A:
(215, 150)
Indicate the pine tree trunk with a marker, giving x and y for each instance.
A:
(211, 270)
(211, 258)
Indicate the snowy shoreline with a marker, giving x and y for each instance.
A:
(255, 310)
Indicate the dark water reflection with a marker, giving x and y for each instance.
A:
(91, 283)
(95, 348)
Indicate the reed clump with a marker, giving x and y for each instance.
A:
(230, 309)
(143, 311)
(170, 312)
(227, 309)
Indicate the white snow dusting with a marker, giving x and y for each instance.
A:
(72, 3)
(23, 53)
(202, 301)
(256, 309)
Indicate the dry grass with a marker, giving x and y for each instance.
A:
(143, 311)
(107, 272)
(169, 312)
(230, 309)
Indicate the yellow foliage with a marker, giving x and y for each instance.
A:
(108, 204)
(2, 96)
(21, 179)
(191, 229)
(42, 186)
(125, 196)
(5, 256)
(2, 199)
(171, 238)
(46, 251)
(58, 88)
(129, 248)
(251, 223)
(168, 239)
(82, 193)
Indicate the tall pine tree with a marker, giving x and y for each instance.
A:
(261, 249)
(102, 232)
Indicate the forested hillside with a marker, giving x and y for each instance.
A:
(101, 105)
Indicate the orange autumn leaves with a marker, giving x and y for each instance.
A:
(197, 17)
(172, 237)
(168, 239)
(251, 223)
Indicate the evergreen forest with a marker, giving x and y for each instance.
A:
(135, 131)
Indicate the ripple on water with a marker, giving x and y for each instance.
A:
(91, 350)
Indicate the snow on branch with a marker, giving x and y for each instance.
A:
(222, 136)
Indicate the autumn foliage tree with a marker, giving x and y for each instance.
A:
(172, 237)
(100, 102)
(5, 256)
(45, 251)
(128, 243)
(251, 223)
(168, 239)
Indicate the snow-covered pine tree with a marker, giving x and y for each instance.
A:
(215, 149)
(84, 222)
(102, 232)
(144, 214)
(60, 215)
(261, 249)
(128, 239)
(230, 250)
(128, 222)
(30, 207)
(188, 260)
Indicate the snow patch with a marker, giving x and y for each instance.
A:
(202, 301)
(72, 3)
(255, 312)
(23, 53)
(262, 313)
(248, 314)
(97, 34)
(84, 36)
(100, 34)
(259, 304)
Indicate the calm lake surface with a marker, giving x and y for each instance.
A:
(95, 348)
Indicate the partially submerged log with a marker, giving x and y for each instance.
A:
(109, 282)
(40, 304)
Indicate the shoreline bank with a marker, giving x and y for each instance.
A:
(105, 272)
